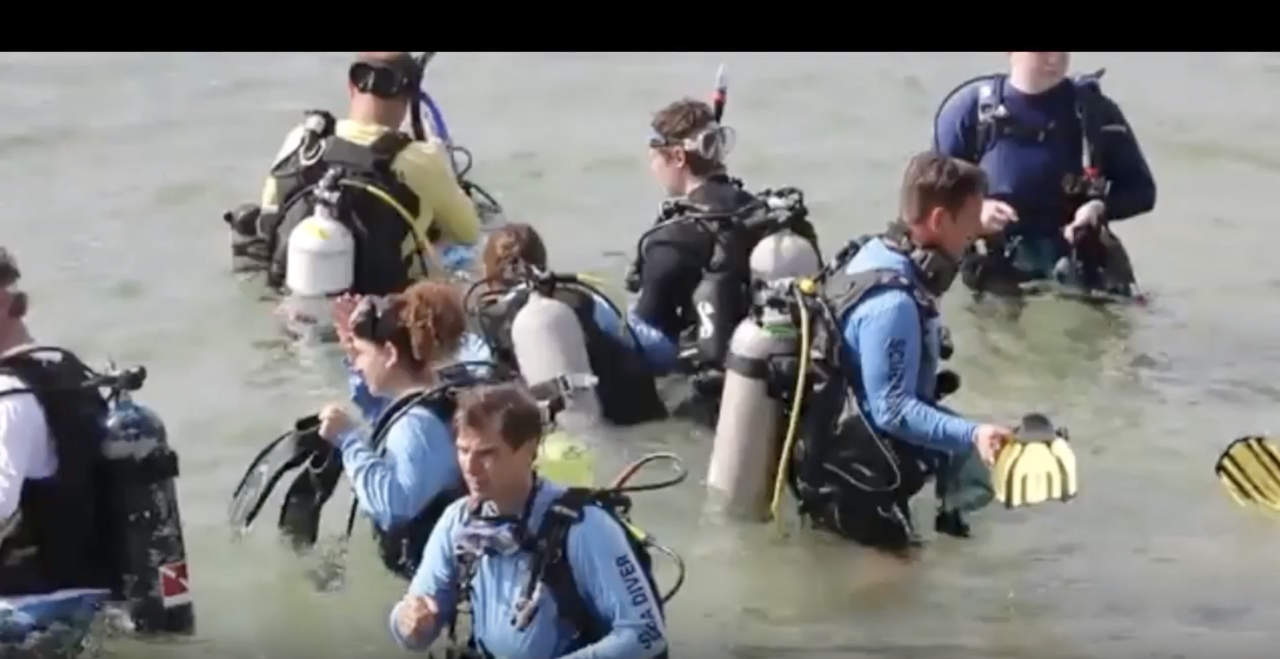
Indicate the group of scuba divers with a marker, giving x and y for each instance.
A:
(470, 355)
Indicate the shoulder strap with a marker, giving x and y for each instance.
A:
(990, 111)
(1089, 110)
(389, 145)
(550, 564)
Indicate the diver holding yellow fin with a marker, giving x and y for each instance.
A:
(1038, 466)
(1249, 469)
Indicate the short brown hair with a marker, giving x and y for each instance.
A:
(933, 180)
(509, 247)
(432, 322)
(682, 120)
(507, 408)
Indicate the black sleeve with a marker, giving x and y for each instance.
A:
(671, 271)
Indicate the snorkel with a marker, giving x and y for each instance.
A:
(721, 96)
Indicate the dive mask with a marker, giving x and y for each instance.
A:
(371, 322)
(713, 143)
(385, 80)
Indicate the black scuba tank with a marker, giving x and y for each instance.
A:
(149, 554)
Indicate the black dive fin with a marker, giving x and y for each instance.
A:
(311, 490)
(283, 454)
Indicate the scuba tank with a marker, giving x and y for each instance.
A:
(783, 253)
(745, 451)
(548, 342)
(321, 257)
(149, 555)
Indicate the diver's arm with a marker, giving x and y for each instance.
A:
(269, 201)
(955, 127)
(1133, 188)
(22, 430)
(436, 578)
(613, 584)
(886, 330)
(369, 404)
(428, 173)
(664, 290)
(416, 466)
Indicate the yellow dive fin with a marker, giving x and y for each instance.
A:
(1250, 471)
(1036, 467)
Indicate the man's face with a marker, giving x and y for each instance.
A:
(955, 231)
(489, 465)
(1044, 65)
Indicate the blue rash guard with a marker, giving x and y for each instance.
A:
(886, 324)
(417, 464)
(603, 565)
(1029, 173)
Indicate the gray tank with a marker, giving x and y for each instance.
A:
(749, 430)
(549, 342)
(784, 255)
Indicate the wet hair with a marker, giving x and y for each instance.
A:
(507, 408)
(682, 120)
(9, 272)
(933, 180)
(430, 323)
(509, 248)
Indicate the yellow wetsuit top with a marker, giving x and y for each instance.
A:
(423, 166)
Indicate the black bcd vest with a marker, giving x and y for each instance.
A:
(63, 538)
(385, 263)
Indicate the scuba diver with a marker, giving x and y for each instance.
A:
(400, 201)
(403, 471)
(1063, 163)
(872, 429)
(88, 510)
(583, 573)
(693, 270)
(544, 324)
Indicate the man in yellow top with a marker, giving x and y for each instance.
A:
(415, 197)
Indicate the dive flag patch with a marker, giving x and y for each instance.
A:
(175, 587)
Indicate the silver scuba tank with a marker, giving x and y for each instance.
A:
(548, 342)
(744, 454)
(784, 255)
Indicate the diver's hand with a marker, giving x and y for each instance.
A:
(417, 614)
(342, 307)
(1087, 217)
(334, 422)
(989, 439)
(996, 215)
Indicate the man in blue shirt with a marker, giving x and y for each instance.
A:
(857, 481)
(586, 596)
(1062, 162)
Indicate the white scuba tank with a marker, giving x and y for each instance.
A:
(784, 255)
(320, 262)
(549, 342)
(749, 429)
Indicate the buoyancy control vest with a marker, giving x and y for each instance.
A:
(388, 254)
(847, 478)
(722, 222)
(60, 538)
(627, 391)
(995, 122)
(549, 565)
(400, 547)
